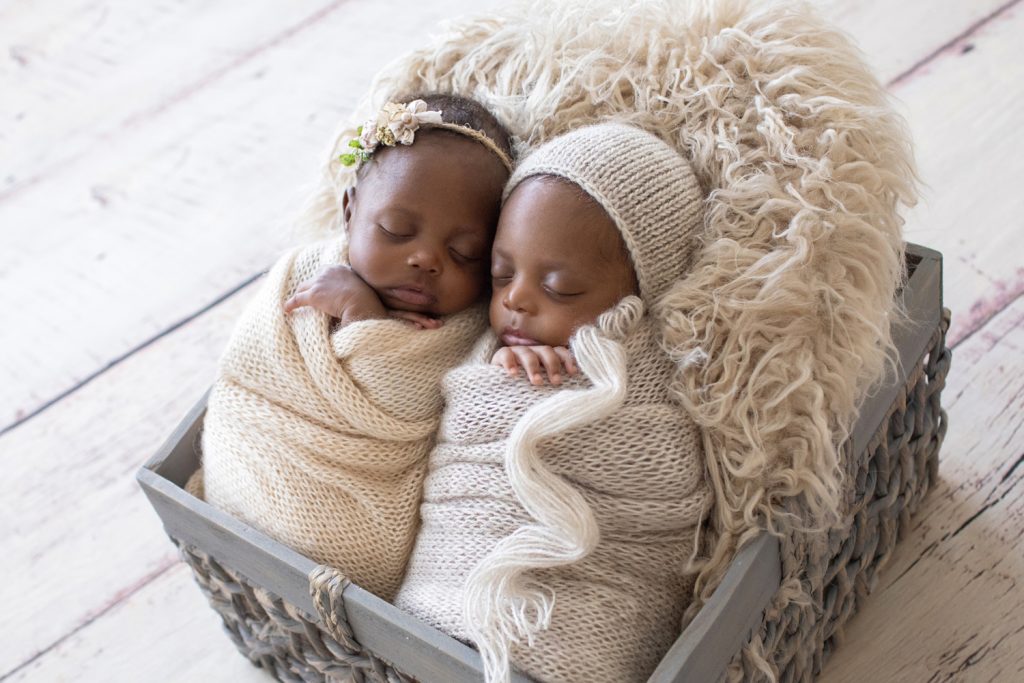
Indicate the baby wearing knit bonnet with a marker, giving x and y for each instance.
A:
(559, 519)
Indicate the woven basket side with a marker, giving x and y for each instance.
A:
(276, 636)
(888, 480)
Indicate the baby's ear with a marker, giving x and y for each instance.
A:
(346, 205)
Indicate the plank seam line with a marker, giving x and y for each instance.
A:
(981, 323)
(935, 544)
(984, 508)
(118, 600)
(931, 546)
(966, 33)
(130, 352)
(177, 97)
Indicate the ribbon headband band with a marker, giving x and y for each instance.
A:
(397, 123)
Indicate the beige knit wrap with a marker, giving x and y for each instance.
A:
(319, 436)
(600, 561)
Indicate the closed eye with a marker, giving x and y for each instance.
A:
(558, 294)
(464, 258)
(392, 233)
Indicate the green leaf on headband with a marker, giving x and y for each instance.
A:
(347, 159)
(359, 130)
(355, 143)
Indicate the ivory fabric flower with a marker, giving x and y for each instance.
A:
(395, 123)
(401, 121)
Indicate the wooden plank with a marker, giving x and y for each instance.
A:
(131, 642)
(949, 605)
(964, 111)
(205, 184)
(75, 522)
(71, 66)
(896, 37)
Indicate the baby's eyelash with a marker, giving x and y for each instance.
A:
(566, 295)
(464, 258)
(391, 233)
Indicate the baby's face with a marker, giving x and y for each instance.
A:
(557, 263)
(421, 222)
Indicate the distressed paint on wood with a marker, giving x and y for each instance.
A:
(129, 642)
(70, 68)
(965, 114)
(950, 604)
(900, 38)
(77, 520)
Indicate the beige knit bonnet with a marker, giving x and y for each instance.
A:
(647, 188)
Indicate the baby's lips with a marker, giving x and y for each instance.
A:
(512, 337)
(412, 295)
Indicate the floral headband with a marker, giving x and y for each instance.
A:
(397, 123)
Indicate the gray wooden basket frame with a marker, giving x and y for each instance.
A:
(701, 653)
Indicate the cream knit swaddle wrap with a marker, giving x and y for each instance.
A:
(636, 463)
(318, 437)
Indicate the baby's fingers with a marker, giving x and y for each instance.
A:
(505, 358)
(302, 297)
(551, 361)
(420, 320)
(530, 362)
(568, 362)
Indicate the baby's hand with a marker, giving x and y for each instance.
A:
(340, 293)
(421, 321)
(532, 358)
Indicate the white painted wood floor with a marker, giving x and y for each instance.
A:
(151, 152)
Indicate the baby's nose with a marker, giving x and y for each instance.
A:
(515, 298)
(425, 259)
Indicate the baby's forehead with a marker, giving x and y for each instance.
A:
(551, 219)
(569, 199)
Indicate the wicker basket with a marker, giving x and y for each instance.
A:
(305, 622)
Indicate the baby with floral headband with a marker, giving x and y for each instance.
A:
(327, 399)
(419, 234)
(559, 518)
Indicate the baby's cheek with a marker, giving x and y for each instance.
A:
(496, 310)
(458, 293)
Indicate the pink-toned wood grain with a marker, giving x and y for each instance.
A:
(76, 525)
(141, 182)
(965, 112)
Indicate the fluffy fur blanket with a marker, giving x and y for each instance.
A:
(319, 437)
(784, 324)
(563, 516)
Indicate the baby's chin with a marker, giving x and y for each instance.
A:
(398, 302)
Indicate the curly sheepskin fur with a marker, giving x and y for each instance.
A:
(784, 323)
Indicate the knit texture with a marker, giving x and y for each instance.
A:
(783, 324)
(319, 436)
(634, 471)
(645, 186)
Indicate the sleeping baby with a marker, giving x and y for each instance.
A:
(558, 516)
(327, 399)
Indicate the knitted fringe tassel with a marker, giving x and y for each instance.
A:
(502, 605)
